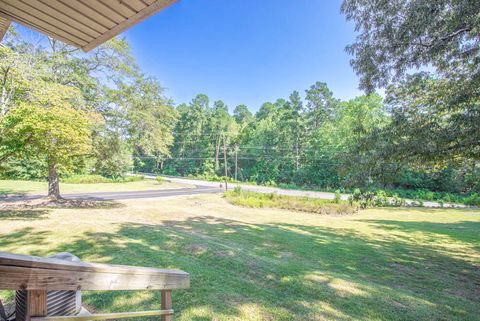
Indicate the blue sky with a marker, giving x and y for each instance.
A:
(246, 51)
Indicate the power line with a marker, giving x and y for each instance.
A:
(293, 157)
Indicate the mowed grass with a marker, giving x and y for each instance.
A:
(268, 264)
(8, 187)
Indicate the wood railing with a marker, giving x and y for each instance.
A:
(38, 275)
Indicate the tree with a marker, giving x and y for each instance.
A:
(242, 114)
(436, 115)
(430, 123)
(47, 124)
(219, 123)
(398, 36)
(297, 125)
(320, 103)
(148, 117)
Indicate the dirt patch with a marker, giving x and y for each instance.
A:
(13, 214)
(465, 294)
(227, 253)
(398, 305)
(402, 269)
(197, 249)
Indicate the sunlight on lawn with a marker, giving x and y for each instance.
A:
(265, 264)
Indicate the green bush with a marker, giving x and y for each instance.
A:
(338, 197)
(160, 180)
(472, 200)
(366, 199)
(381, 198)
(396, 200)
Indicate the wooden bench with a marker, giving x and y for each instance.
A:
(38, 275)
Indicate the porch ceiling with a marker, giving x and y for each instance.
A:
(85, 24)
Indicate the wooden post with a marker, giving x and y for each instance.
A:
(36, 304)
(167, 304)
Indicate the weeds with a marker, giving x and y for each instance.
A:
(302, 204)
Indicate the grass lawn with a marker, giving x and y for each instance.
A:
(32, 187)
(268, 264)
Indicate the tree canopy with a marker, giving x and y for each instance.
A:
(67, 111)
(426, 53)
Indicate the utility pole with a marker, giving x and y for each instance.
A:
(236, 162)
(225, 160)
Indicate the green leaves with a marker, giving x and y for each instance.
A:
(398, 36)
(48, 124)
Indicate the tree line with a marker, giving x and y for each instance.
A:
(63, 112)
(318, 141)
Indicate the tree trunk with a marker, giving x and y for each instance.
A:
(53, 183)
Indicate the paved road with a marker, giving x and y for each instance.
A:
(124, 195)
(144, 194)
(253, 188)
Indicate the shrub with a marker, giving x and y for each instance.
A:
(363, 199)
(160, 180)
(381, 198)
(338, 197)
(396, 200)
(472, 200)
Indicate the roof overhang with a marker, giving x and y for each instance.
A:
(84, 24)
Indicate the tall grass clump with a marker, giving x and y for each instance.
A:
(302, 204)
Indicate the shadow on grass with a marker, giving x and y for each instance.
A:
(39, 203)
(465, 231)
(25, 237)
(23, 214)
(285, 271)
(4, 192)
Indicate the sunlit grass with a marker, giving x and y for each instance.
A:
(267, 264)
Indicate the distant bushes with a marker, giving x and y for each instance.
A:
(304, 204)
(441, 197)
(93, 179)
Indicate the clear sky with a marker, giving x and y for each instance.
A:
(246, 51)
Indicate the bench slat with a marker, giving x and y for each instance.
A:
(11, 259)
(23, 272)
